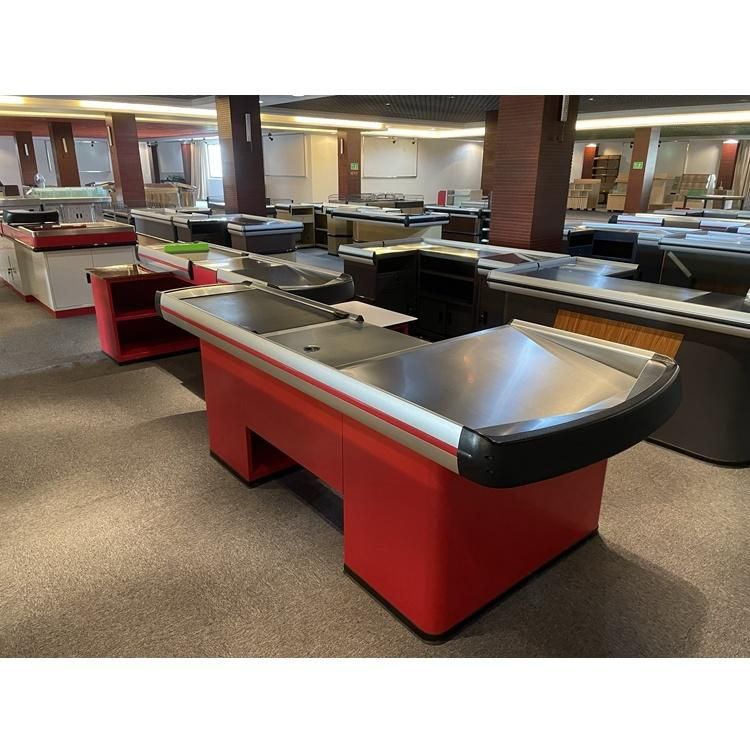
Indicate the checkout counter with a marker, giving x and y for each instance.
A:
(71, 204)
(707, 333)
(211, 264)
(465, 224)
(372, 224)
(438, 281)
(433, 466)
(52, 260)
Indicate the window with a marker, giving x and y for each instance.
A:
(214, 161)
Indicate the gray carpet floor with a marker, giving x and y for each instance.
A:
(121, 536)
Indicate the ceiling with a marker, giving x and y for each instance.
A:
(471, 109)
(591, 103)
(433, 107)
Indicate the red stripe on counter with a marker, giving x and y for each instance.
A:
(444, 446)
(76, 241)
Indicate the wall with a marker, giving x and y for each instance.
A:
(94, 162)
(321, 167)
(10, 170)
(703, 157)
(441, 163)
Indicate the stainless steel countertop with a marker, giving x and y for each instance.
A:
(498, 376)
(346, 342)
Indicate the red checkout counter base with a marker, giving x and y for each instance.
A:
(129, 327)
(433, 546)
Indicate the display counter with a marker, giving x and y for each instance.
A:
(303, 213)
(707, 333)
(493, 435)
(53, 260)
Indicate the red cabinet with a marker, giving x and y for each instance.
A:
(130, 329)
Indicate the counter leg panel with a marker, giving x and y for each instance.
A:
(436, 547)
(258, 425)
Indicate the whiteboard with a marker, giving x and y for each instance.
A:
(284, 156)
(388, 157)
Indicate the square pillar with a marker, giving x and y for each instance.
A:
(122, 135)
(642, 167)
(26, 157)
(533, 152)
(64, 153)
(349, 162)
(241, 143)
(488, 154)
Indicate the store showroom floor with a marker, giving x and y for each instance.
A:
(121, 536)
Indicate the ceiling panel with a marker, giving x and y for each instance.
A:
(443, 107)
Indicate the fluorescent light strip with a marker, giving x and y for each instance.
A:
(668, 119)
(137, 107)
(11, 100)
(434, 133)
(337, 123)
(303, 129)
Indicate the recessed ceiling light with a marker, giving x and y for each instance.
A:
(591, 99)
(260, 101)
(387, 104)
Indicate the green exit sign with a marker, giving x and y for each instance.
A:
(638, 166)
(354, 165)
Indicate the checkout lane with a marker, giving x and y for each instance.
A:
(707, 332)
(412, 433)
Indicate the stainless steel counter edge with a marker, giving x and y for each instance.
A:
(211, 328)
(642, 306)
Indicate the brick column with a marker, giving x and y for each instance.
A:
(533, 152)
(642, 166)
(122, 134)
(727, 164)
(64, 153)
(26, 157)
(488, 154)
(349, 150)
(241, 154)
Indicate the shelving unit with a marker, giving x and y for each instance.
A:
(447, 290)
(606, 169)
(129, 326)
(321, 227)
